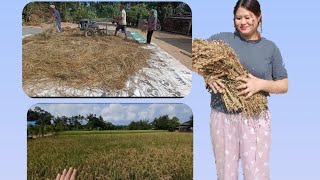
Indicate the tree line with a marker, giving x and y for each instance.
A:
(46, 123)
(73, 11)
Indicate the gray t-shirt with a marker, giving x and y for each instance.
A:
(57, 15)
(261, 58)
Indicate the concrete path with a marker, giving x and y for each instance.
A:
(30, 30)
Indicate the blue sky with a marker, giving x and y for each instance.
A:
(120, 114)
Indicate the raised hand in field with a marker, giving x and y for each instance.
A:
(67, 175)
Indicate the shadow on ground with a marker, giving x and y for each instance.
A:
(185, 44)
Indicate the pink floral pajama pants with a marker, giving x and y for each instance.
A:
(235, 137)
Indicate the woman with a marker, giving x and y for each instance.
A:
(233, 137)
(151, 24)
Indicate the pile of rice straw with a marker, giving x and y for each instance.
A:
(72, 60)
(214, 59)
(144, 28)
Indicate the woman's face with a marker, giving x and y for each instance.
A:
(246, 22)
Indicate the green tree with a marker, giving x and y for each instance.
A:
(136, 12)
(95, 123)
(43, 118)
(165, 123)
(33, 130)
(74, 122)
(173, 123)
(161, 123)
(140, 125)
(32, 115)
(48, 129)
(30, 131)
(60, 123)
(121, 127)
(84, 13)
(109, 126)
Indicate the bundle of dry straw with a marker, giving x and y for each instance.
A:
(216, 60)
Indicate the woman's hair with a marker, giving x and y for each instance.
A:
(252, 6)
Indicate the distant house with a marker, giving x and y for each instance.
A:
(32, 123)
(184, 127)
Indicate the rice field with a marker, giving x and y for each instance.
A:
(113, 155)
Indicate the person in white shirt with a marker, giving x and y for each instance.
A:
(122, 22)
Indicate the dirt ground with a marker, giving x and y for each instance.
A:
(173, 44)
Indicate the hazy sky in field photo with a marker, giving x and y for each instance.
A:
(120, 113)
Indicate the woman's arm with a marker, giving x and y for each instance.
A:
(253, 85)
(275, 87)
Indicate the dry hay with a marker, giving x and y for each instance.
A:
(216, 60)
(70, 59)
(144, 28)
(38, 16)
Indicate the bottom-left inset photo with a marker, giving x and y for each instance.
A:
(110, 141)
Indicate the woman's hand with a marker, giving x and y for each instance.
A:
(215, 84)
(250, 86)
(70, 175)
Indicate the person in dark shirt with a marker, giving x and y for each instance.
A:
(151, 24)
(57, 17)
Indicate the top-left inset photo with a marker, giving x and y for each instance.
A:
(106, 49)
